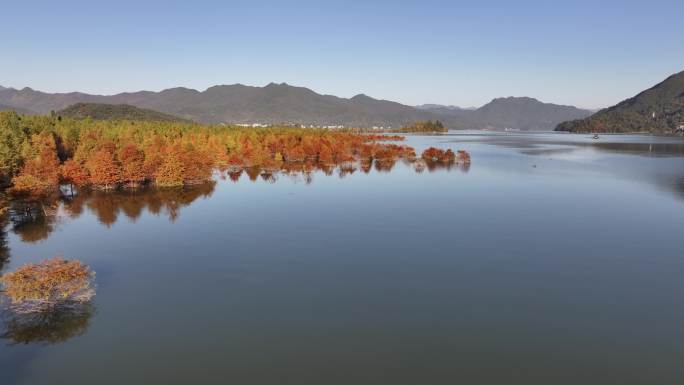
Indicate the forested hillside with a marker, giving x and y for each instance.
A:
(659, 110)
(101, 111)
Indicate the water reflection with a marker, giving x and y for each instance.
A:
(4, 248)
(47, 328)
(108, 206)
(632, 148)
(664, 169)
(307, 170)
(545, 144)
(34, 221)
(432, 166)
(642, 148)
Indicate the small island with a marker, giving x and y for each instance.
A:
(427, 126)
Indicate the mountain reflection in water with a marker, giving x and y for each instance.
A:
(616, 155)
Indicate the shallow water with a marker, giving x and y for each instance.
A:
(553, 259)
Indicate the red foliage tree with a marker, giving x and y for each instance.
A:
(132, 165)
(40, 174)
(104, 170)
(448, 157)
(325, 155)
(197, 165)
(170, 172)
(432, 154)
(295, 154)
(74, 173)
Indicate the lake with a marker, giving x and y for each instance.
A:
(552, 259)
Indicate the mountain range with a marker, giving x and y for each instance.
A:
(658, 110)
(283, 103)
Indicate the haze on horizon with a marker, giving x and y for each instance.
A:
(584, 54)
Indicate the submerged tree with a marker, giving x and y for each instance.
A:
(433, 154)
(54, 284)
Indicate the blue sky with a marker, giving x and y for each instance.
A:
(590, 54)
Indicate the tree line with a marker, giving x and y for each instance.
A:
(39, 153)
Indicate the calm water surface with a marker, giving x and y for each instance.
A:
(553, 259)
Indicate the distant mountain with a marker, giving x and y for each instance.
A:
(99, 111)
(443, 108)
(521, 113)
(525, 113)
(659, 109)
(282, 103)
(21, 111)
(274, 103)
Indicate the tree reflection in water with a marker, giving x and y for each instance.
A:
(425, 164)
(4, 249)
(36, 220)
(108, 206)
(47, 328)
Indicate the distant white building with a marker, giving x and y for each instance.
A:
(255, 125)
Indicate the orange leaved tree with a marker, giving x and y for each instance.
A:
(104, 170)
(40, 174)
(170, 172)
(132, 165)
(197, 165)
(74, 173)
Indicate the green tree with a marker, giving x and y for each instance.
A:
(11, 139)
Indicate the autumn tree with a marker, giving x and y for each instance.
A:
(52, 284)
(448, 157)
(108, 153)
(295, 154)
(325, 155)
(197, 164)
(432, 154)
(170, 172)
(154, 156)
(132, 165)
(39, 176)
(104, 170)
(74, 173)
